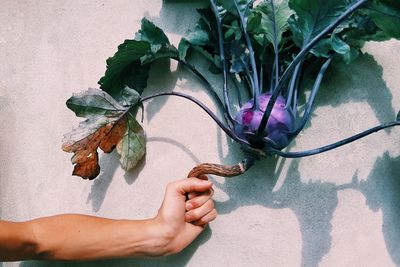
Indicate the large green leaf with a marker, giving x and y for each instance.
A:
(129, 66)
(386, 15)
(312, 16)
(242, 5)
(124, 61)
(202, 40)
(160, 46)
(93, 102)
(273, 21)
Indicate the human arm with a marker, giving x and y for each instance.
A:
(81, 237)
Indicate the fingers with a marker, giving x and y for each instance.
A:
(206, 218)
(194, 194)
(189, 185)
(198, 199)
(198, 213)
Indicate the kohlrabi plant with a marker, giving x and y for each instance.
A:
(263, 51)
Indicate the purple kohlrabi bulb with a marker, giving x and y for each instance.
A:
(280, 122)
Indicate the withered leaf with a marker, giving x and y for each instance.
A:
(105, 131)
(101, 131)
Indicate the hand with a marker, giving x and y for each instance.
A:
(180, 220)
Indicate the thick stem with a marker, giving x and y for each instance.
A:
(334, 145)
(293, 85)
(261, 76)
(223, 60)
(247, 81)
(228, 131)
(314, 91)
(222, 170)
(239, 95)
(299, 58)
(256, 88)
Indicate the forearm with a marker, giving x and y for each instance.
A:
(80, 237)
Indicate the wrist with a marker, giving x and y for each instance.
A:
(161, 237)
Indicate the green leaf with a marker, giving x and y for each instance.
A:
(313, 16)
(274, 20)
(323, 48)
(130, 96)
(118, 66)
(93, 102)
(202, 41)
(238, 57)
(129, 66)
(200, 36)
(339, 46)
(132, 146)
(160, 46)
(151, 34)
(386, 15)
(229, 5)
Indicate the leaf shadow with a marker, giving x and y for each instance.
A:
(381, 190)
(109, 164)
(132, 175)
(315, 201)
(360, 81)
(180, 259)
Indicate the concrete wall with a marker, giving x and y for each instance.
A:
(336, 209)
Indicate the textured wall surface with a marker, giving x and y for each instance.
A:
(336, 209)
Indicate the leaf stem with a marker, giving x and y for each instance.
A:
(314, 91)
(256, 88)
(261, 76)
(293, 85)
(209, 87)
(299, 58)
(223, 60)
(334, 145)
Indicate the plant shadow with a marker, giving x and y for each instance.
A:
(315, 201)
(381, 190)
(364, 78)
(109, 164)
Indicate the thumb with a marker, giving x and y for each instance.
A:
(192, 185)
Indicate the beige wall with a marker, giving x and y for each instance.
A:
(336, 209)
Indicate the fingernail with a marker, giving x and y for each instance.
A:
(205, 182)
(189, 206)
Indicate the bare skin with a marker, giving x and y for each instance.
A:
(79, 237)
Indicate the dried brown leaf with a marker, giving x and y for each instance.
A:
(103, 132)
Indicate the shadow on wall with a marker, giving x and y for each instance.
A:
(381, 190)
(315, 202)
(361, 81)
